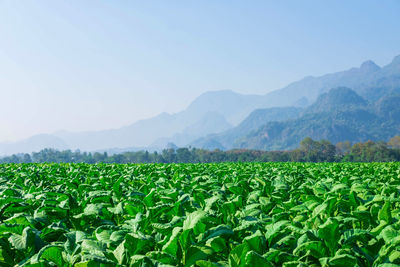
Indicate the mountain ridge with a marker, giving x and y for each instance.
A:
(369, 81)
(354, 121)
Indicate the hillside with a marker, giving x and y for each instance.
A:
(211, 122)
(34, 143)
(231, 108)
(337, 99)
(369, 81)
(256, 119)
(336, 116)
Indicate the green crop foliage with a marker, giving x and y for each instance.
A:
(226, 214)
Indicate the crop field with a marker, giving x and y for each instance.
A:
(226, 214)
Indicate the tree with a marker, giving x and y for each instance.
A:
(394, 142)
(315, 151)
(27, 158)
(343, 148)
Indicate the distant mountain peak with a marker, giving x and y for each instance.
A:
(219, 92)
(396, 60)
(342, 95)
(369, 65)
(338, 98)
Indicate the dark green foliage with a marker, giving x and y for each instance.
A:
(309, 151)
(226, 214)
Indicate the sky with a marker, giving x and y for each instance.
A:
(91, 65)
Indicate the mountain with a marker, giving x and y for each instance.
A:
(337, 99)
(231, 108)
(338, 115)
(388, 107)
(34, 143)
(211, 112)
(212, 122)
(369, 81)
(256, 119)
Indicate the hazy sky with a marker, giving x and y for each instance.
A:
(87, 65)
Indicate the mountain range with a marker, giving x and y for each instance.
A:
(339, 115)
(361, 106)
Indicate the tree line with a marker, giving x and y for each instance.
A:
(309, 151)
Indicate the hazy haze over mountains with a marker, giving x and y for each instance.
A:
(216, 112)
(332, 116)
(339, 115)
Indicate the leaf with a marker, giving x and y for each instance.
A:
(272, 230)
(204, 263)
(162, 257)
(329, 232)
(390, 235)
(220, 230)
(94, 261)
(315, 248)
(218, 244)
(18, 242)
(237, 255)
(27, 241)
(93, 247)
(235, 189)
(385, 213)
(319, 209)
(50, 253)
(255, 259)
(172, 245)
(118, 236)
(192, 219)
(140, 260)
(256, 242)
(394, 256)
(103, 234)
(343, 260)
(117, 187)
(138, 243)
(119, 253)
(339, 187)
(149, 200)
(195, 253)
(352, 237)
(93, 209)
(294, 264)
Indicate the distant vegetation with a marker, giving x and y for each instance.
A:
(308, 151)
(338, 115)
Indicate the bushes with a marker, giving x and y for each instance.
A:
(309, 151)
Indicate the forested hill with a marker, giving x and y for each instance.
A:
(338, 115)
(206, 120)
(254, 121)
(309, 150)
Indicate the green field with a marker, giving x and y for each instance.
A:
(227, 214)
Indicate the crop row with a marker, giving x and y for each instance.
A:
(227, 214)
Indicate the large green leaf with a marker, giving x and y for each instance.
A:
(254, 259)
(385, 213)
(51, 254)
(343, 260)
(329, 232)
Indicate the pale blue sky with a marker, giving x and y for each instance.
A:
(84, 65)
